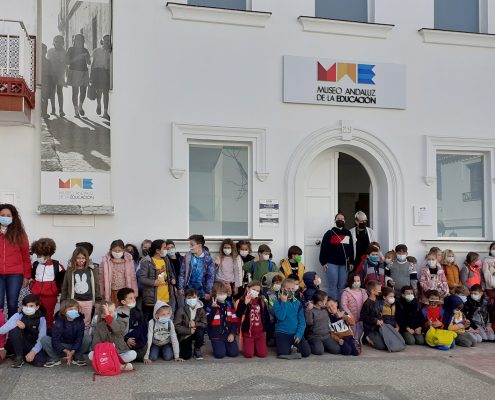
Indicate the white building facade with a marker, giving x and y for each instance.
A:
(209, 136)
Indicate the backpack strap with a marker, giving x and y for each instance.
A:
(270, 265)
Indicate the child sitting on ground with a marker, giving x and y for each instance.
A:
(477, 311)
(190, 324)
(318, 326)
(110, 329)
(290, 325)
(340, 328)
(223, 323)
(409, 318)
(162, 339)
(388, 307)
(68, 339)
(26, 330)
(455, 321)
(372, 316)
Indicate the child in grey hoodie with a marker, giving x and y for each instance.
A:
(162, 339)
(318, 326)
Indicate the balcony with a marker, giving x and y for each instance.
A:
(17, 73)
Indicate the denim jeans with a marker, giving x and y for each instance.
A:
(10, 284)
(337, 280)
(166, 351)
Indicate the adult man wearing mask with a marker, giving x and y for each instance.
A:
(362, 236)
(335, 252)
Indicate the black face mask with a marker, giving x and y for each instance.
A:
(362, 225)
(339, 224)
(145, 252)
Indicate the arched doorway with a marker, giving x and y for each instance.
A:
(313, 191)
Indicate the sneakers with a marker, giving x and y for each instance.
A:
(127, 367)
(51, 363)
(198, 355)
(80, 363)
(292, 356)
(18, 363)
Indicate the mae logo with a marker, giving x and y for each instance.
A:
(76, 189)
(357, 73)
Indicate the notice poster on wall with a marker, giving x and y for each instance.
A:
(76, 70)
(269, 213)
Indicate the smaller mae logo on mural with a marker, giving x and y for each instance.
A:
(76, 189)
(349, 79)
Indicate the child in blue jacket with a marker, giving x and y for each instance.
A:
(290, 326)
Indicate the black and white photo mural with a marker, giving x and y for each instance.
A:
(76, 76)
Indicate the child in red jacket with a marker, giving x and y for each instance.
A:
(47, 276)
(433, 312)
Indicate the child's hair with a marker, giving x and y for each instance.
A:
(263, 248)
(446, 253)
(100, 309)
(476, 288)
(294, 250)
(350, 279)
(435, 249)
(371, 249)
(191, 293)
(75, 253)
(44, 247)
(135, 251)
(376, 244)
(156, 245)
(277, 278)
(319, 296)
(404, 288)
(253, 283)
(69, 303)
(198, 239)
(230, 242)
(31, 298)
(331, 299)
(57, 37)
(412, 259)
(491, 246)
(390, 254)
(243, 243)
(472, 257)
(117, 243)
(86, 245)
(122, 294)
(287, 281)
(431, 293)
(401, 247)
(145, 241)
(386, 291)
(219, 287)
(165, 307)
(431, 254)
(294, 277)
(372, 285)
(461, 291)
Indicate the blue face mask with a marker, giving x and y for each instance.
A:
(5, 221)
(374, 259)
(163, 320)
(114, 316)
(72, 314)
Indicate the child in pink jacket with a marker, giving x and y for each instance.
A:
(353, 299)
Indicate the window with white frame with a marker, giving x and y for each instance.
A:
(219, 190)
(348, 10)
(460, 195)
(231, 4)
(457, 15)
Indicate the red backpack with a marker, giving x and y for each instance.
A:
(106, 360)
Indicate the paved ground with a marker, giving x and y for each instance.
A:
(416, 373)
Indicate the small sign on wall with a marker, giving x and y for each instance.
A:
(423, 216)
(269, 212)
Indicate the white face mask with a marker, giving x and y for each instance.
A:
(476, 297)
(254, 293)
(432, 263)
(266, 257)
(277, 287)
(318, 282)
(41, 260)
(390, 300)
(221, 298)
(388, 261)
(244, 253)
(117, 254)
(401, 257)
(356, 285)
(450, 260)
(28, 310)
(409, 297)
(131, 305)
(492, 253)
(227, 252)
(171, 251)
(163, 253)
(463, 298)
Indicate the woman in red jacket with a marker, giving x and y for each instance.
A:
(15, 263)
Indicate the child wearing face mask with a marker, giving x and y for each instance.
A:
(352, 302)
(471, 271)
(81, 283)
(293, 264)
(371, 316)
(26, 329)
(68, 340)
(455, 321)
(372, 267)
(111, 329)
(162, 338)
(389, 258)
(47, 276)
(223, 323)
(290, 325)
(174, 256)
(451, 270)
(401, 272)
(190, 323)
(271, 294)
(478, 312)
(409, 317)
(312, 282)
(255, 321)
(388, 307)
(244, 250)
(136, 332)
(229, 266)
(264, 264)
(117, 271)
(433, 278)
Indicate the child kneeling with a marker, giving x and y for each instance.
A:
(371, 316)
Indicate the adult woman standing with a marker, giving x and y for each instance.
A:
(15, 263)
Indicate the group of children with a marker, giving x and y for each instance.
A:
(161, 304)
